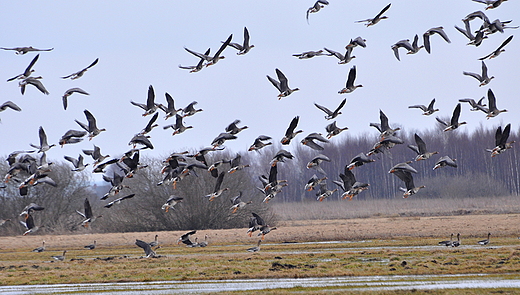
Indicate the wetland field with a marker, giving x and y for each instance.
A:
(359, 247)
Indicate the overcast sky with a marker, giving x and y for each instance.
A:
(141, 43)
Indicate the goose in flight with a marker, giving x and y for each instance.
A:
(490, 3)
(483, 78)
(238, 203)
(171, 202)
(309, 141)
(333, 130)
(91, 128)
(474, 105)
(349, 185)
(316, 161)
(9, 105)
(499, 50)
(407, 177)
(260, 142)
(190, 110)
(280, 156)
(218, 191)
(290, 133)
(29, 225)
(350, 87)
(343, 59)
(308, 54)
(146, 247)
(491, 110)
(445, 161)
(501, 144)
(282, 84)
(80, 73)
(420, 149)
(199, 66)
(454, 122)
(178, 127)
(72, 136)
(34, 81)
(28, 71)
(211, 60)
(88, 216)
(232, 128)
(235, 164)
(77, 163)
(118, 201)
(185, 238)
(432, 31)
(324, 192)
(372, 21)
(318, 5)
(427, 110)
(24, 50)
(331, 114)
(169, 109)
(150, 107)
(44, 146)
(359, 160)
(96, 155)
(245, 46)
(313, 182)
(69, 92)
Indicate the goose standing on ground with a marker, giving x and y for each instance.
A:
(91, 246)
(80, 73)
(432, 31)
(91, 128)
(171, 202)
(484, 242)
(427, 110)
(28, 71)
(40, 249)
(407, 177)
(69, 93)
(377, 18)
(245, 46)
(146, 247)
(446, 243)
(118, 201)
(420, 149)
(205, 242)
(238, 203)
(457, 242)
(77, 163)
(88, 215)
(282, 84)
(499, 50)
(350, 87)
(475, 106)
(445, 161)
(44, 146)
(331, 114)
(492, 110)
(150, 107)
(484, 79)
(60, 257)
(185, 238)
(155, 242)
(290, 133)
(24, 50)
(454, 122)
(256, 248)
(501, 144)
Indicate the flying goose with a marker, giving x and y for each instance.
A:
(445, 161)
(324, 192)
(282, 84)
(474, 105)
(69, 92)
(24, 50)
(432, 31)
(185, 238)
(377, 18)
(245, 46)
(218, 191)
(232, 128)
(407, 177)
(72, 136)
(290, 133)
(118, 201)
(308, 54)
(235, 164)
(34, 81)
(350, 87)
(427, 110)
(349, 185)
(190, 110)
(280, 156)
(492, 110)
(318, 5)
(28, 71)
(490, 3)
(44, 146)
(29, 225)
(178, 127)
(96, 155)
(150, 107)
(454, 122)
(343, 59)
(331, 114)
(199, 66)
(333, 130)
(88, 215)
(483, 78)
(211, 60)
(238, 203)
(499, 50)
(313, 182)
(171, 202)
(501, 144)
(359, 160)
(420, 149)
(170, 109)
(80, 73)
(309, 141)
(77, 163)
(91, 127)
(11, 105)
(316, 161)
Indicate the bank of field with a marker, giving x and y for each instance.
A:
(298, 248)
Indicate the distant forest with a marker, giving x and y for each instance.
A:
(477, 175)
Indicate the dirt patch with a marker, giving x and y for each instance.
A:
(501, 225)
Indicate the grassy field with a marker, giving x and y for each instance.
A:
(366, 246)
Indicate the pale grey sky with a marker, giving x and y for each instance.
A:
(142, 43)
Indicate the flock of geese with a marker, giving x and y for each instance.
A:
(27, 170)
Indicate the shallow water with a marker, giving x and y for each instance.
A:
(366, 283)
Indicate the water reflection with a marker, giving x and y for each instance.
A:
(365, 283)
